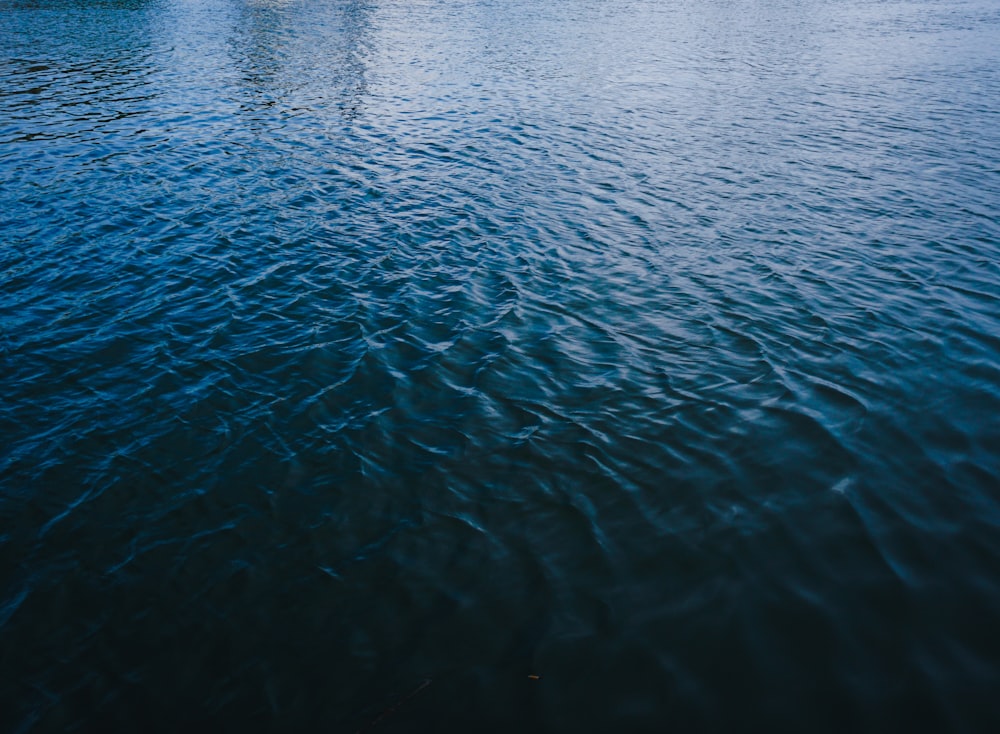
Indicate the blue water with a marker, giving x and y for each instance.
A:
(499, 366)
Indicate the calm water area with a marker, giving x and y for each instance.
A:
(537, 366)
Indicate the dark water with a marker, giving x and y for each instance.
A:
(361, 359)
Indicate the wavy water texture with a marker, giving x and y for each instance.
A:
(499, 366)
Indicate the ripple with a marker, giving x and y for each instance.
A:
(632, 365)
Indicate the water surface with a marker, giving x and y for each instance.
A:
(516, 366)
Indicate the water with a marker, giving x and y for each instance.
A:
(362, 359)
